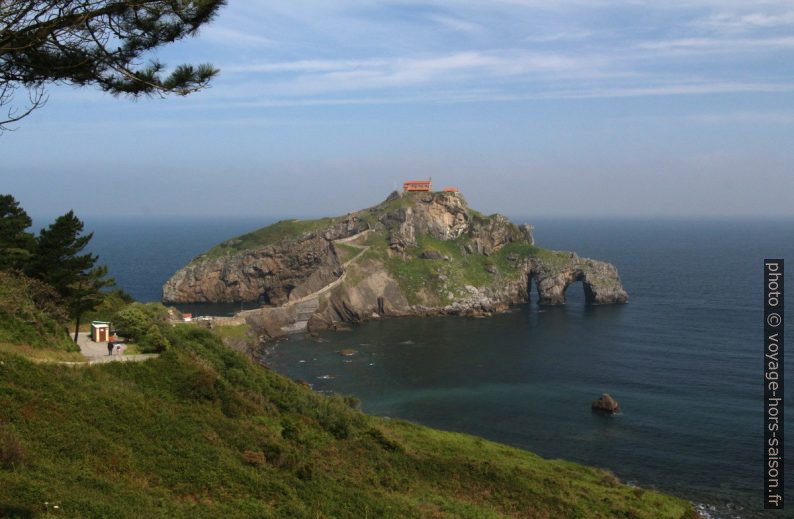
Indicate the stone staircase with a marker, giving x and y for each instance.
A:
(304, 310)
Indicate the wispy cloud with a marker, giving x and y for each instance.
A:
(227, 36)
(551, 92)
(720, 44)
(315, 76)
(758, 118)
(457, 24)
(515, 48)
(745, 22)
(560, 36)
(585, 61)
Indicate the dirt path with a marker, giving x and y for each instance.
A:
(97, 352)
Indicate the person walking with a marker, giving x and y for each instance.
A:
(110, 345)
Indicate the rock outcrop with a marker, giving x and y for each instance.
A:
(601, 281)
(413, 254)
(270, 274)
(606, 404)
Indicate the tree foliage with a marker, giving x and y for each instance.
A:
(112, 302)
(16, 244)
(53, 257)
(134, 321)
(96, 42)
(57, 260)
(154, 340)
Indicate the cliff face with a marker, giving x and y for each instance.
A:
(413, 254)
(295, 266)
(268, 274)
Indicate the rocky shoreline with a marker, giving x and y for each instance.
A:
(415, 254)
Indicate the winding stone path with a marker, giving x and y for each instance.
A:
(306, 306)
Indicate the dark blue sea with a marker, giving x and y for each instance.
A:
(683, 358)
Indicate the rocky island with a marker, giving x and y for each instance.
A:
(416, 253)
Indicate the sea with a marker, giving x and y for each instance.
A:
(683, 358)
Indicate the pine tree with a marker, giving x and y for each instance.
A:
(96, 42)
(16, 244)
(57, 261)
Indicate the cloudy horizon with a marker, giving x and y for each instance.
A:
(602, 108)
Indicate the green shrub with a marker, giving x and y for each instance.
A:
(153, 341)
(199, 381)
(30, 313)
(135, 320)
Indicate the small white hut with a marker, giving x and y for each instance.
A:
(100, 331)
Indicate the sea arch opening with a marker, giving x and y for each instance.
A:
(554, 290)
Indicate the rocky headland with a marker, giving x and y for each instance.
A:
(424, 253)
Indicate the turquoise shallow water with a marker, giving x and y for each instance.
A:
(683, 357)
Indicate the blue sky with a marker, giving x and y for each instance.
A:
(540, 108)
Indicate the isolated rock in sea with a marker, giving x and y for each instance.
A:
(606, 404)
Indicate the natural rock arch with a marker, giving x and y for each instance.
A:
(600, 280)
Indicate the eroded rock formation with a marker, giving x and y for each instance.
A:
(600, 279)
(271, 274)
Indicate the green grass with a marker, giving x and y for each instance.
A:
(272, 234)
(240, 336)
(203, 432)
(522, 251)
(430, 281)
(41, 354)
(436, 278)
(132, 349)
(346, 252)
(290, 229)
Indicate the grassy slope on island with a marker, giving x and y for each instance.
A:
(433, 281)
(291, 229)
(204, 432)
(295, 228)
(270, 235)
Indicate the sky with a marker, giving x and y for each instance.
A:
(574, 108)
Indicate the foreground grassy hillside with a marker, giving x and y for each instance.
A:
(204, 432)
